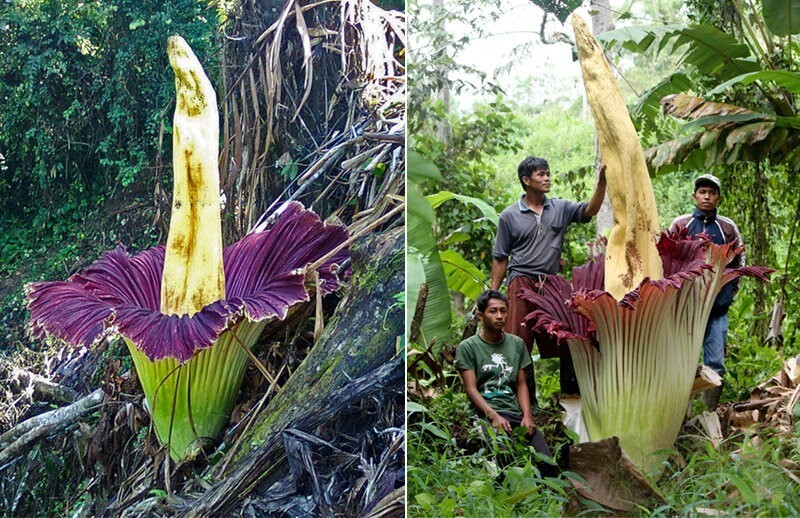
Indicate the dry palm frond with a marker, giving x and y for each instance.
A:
(315, 110)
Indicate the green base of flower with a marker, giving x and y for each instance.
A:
(637, 386)
(191, 403)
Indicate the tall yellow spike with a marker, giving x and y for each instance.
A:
(631, 254)
(193, 272)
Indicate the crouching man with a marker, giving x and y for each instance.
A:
(491, 364)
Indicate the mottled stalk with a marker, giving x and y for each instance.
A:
(631, 254)
(193, 273)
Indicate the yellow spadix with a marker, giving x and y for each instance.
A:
(631, 254)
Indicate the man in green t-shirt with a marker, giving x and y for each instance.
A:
(491, 364)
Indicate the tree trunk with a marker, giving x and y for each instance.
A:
(758, 248)
(602, 22)
(353, 359)
(748, 185)
(443, 130)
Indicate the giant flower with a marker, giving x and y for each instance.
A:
(634, 317)
(191, 367)
(189, 312)
(635, 358)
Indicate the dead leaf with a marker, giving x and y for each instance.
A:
(612, 480)
(711, 425)
(706, 378)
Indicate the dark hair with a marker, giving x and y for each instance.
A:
(528, 165)
(483, 299)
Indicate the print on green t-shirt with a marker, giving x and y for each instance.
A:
(496, 366)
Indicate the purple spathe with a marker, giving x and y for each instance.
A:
(562, 305)
(630, 354)
(264, 277)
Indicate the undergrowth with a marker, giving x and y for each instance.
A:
(451, 472)
(33, 250)
(746, 475)
(50, 479)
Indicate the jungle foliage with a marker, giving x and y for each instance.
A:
(91, 83)
(734, 115)
(85, 98)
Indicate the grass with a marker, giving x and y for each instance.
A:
(746, 475)
(451, 474)
(754, 473)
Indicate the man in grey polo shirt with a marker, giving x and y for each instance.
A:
(530, 236)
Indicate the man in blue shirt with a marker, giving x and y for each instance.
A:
(705, 220)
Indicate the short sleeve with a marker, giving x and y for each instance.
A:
(465, 357)
(502, 243)
(574, 211)
(525, 356)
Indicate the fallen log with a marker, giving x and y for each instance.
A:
(18, 439)
(273, 455)
(49, 389)
(286, 453)
(355, 360)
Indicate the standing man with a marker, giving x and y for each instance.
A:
(492, 366)
(705, 220)
(530, 236)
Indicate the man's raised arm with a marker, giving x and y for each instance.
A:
(593, 206)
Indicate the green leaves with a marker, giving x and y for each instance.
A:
(782, 16)
(487, 210)
(729, 133)
(423, 264)
(711, 51)
(420, 169)
(70, 113)
(442, 271)
(560, 8)
(648, 104)
(426, 267)
(462, 276)
(783, 78)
